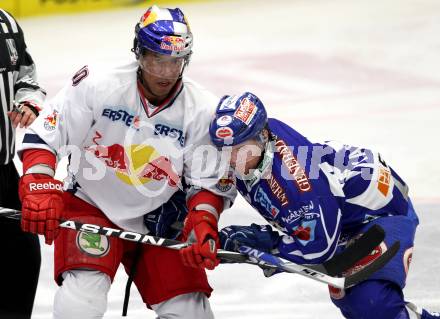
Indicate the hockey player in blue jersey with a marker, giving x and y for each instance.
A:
(319, 197)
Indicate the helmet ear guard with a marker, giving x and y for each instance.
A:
(135, 48)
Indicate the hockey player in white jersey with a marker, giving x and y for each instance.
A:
(132, 135)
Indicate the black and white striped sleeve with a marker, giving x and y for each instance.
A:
(26, 86)
(18, 81)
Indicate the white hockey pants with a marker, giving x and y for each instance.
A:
(84, 295)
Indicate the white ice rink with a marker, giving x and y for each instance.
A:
(366, 72)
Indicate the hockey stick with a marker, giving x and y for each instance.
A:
(338, 282)
(336, 265)
(107, 231)
(255, 256)
(339, 263)
(131, 236)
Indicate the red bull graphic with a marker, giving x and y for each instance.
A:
(173, 43)
(149, 17)
(50, 121)
(135, 164)
(159, 169)
(113, 156)
(224, 184)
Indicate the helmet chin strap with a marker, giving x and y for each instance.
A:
(187, 59)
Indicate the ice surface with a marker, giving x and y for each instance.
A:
(363, 72)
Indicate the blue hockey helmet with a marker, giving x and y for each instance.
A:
(164, 31)
(237, 119)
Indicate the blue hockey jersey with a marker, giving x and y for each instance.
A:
(314, 192)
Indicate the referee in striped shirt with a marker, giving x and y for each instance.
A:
(20, 97)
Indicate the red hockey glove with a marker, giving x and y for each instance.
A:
(201, 229)
(42, 204)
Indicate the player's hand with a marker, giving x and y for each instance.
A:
(42, 205)
(261, 237)
(23, 114)
(201, 229)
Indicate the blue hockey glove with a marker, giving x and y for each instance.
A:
(261, 237)
(165, 220)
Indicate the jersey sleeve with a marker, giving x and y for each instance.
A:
(26, 87)
(368, 181)
(204, 167)
(65, 119)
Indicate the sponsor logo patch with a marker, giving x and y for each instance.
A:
(172, 43)
(224, 120)
(246, 111)
(261, 198)
(294, 168)
(224, 132)
(50, 121)
(123, 116)
(94, 245)
(49, 186)
(305, 233)
(225, 184)
(277, 190)
(171, 132)
(383, 181)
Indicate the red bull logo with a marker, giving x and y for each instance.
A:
(173, 43)
(135, 164)
(50, 121)
(113, 156)
(225, 184)
(161, 168)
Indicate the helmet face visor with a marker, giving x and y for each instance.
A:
(162, 66)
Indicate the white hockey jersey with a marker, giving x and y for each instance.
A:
(126, 157)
